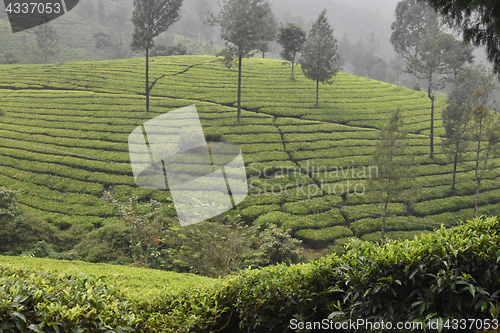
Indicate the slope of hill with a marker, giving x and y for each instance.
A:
(441, 280)
(139, 283)
(64, 131)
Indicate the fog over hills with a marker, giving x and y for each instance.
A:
(354, 18)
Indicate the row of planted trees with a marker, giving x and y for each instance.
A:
(471, 127)
(472, 133)
(247, 26)
(472, 130)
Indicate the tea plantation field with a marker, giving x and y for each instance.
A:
(138, 283)
(64, 130)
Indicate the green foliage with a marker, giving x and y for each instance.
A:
(147, 224)
(292, 38)
(277, 218)
(251, 213)
(277, 246)
(320, 60)
(478, 22)
(165, 51)
(314, 221)
(457, 116)
(35, 301)
(59, 143)
(9, 206)
(392, 172)
(412, 280)
(245, 25)
(486, 131)
(110, 243)
(305, 207)
(138, 283)
(449, 274)
(318, 238)
(151, 18)
(414, 22)
(20, 231)
(205, 248)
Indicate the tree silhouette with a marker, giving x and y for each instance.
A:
(292, 38)
(245, 24)
(320, 60)
(151, 18)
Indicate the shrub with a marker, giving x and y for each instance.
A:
(22, 233)
(322, 237)
(277, 246)
(277, 218)
(249, 214)
(36, 301)
(310, 206)
(314, 221)
(205, 248)
(110, 243)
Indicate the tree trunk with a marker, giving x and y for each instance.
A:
(293, 67)
(476, 200)
(476, 170)
(240, 60)
(384, 214)
(263, 54)
(431, 135)
(317, 93)
(455, 162)
(147, 79)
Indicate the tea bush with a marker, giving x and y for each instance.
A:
(449, 274)
(46, 302)
(322, 237)
(249, 214)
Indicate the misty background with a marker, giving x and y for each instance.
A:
(102, 30)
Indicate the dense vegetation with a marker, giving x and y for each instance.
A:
(64, 143)
(450, 274)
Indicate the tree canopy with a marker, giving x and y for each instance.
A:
(246, 26)
(414, 22)
(291, 37)
(479, 21)
(151, 18)
(320, 60)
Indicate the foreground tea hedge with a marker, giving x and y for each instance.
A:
(449, 274)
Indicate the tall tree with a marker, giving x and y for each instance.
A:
(397, 65)
(202, 9)
(320, 60)
(479, 20)
(245, 26)
(269, 36)
(291, 37)
(151, 18)
(388, 157)
(430, 60)
(486, 131)
(414, 22)
(458, 113)
(459, 54)
(46, 42)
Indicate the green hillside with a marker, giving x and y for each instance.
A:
(64, 131)
(138, 283)
(449, 277)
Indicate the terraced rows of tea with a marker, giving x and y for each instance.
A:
(64, 131)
